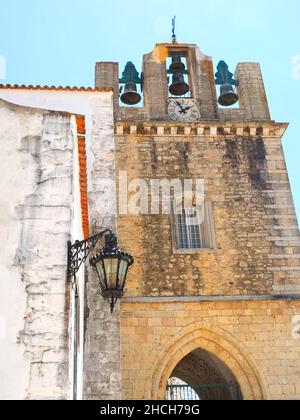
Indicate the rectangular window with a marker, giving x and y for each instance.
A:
(193, 228)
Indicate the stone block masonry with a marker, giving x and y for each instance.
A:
(237, 302)
(231, 310)
(255, 222)
(51, 209)
(36, 208)
(102, 378)
(254, 339)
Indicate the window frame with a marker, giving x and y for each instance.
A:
(212, 232)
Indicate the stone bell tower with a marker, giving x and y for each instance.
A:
(202, 86)
(213, 304)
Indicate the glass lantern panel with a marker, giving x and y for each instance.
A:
(111, 268)
(101, 274)
(122, 272)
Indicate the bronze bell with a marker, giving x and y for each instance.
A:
(177, 64)
(224, 78)
(227, 97)
(179, 87)
(130, 95)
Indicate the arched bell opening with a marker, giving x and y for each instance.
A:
(178, 75)
(202, 376)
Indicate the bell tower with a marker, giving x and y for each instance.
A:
(212, 303)
(178, 72)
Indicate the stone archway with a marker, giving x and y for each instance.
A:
(217, 343)
(201, 375)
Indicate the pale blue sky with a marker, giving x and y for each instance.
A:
(57, 42)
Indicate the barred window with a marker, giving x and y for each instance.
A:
(193, 228)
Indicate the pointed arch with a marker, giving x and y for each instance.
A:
(220, 344)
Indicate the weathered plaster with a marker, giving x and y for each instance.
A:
(36, 190)
(98, 112)
(102, 377)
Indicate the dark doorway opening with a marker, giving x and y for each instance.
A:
(203, 377)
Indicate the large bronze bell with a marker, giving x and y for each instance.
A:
(227, 97)
(179, 87)
(177, 64)
(130, 95)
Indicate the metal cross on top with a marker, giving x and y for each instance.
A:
(173, 29)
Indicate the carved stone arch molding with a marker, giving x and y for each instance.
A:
(220, 344)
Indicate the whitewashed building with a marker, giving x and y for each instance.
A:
(46, 135)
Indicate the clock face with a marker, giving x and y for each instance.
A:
(184, 110)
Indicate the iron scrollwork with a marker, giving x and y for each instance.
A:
(79, 252)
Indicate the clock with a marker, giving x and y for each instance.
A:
(184, 110)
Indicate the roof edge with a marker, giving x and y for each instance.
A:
(56, 88)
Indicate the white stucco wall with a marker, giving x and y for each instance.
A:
(98, 111)
(16, 183)
(35, 212)
(30, 374)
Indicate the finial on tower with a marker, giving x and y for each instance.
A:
(173, 30)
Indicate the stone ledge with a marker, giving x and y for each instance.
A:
(245, 298)
(210, 129)
(284, 256)
(286, 268)
(285, 238)
(280, 216)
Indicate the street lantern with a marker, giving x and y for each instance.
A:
(112, 265)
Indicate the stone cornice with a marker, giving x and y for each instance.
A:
(210, 129)
(244, 298)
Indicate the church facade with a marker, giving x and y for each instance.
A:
(195, 184)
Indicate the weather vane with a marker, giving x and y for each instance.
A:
(173, 29)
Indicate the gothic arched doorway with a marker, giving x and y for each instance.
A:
(232, 358)
(202, 376)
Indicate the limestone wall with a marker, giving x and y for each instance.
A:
(36, 213)
(40, 202)
(256, 231)
(239, 301)
(254, 339)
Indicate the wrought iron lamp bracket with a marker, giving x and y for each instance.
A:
(79, 252)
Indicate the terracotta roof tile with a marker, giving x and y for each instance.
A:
(80, 121)
(66, 88)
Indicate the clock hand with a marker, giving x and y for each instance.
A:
(183, 111)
